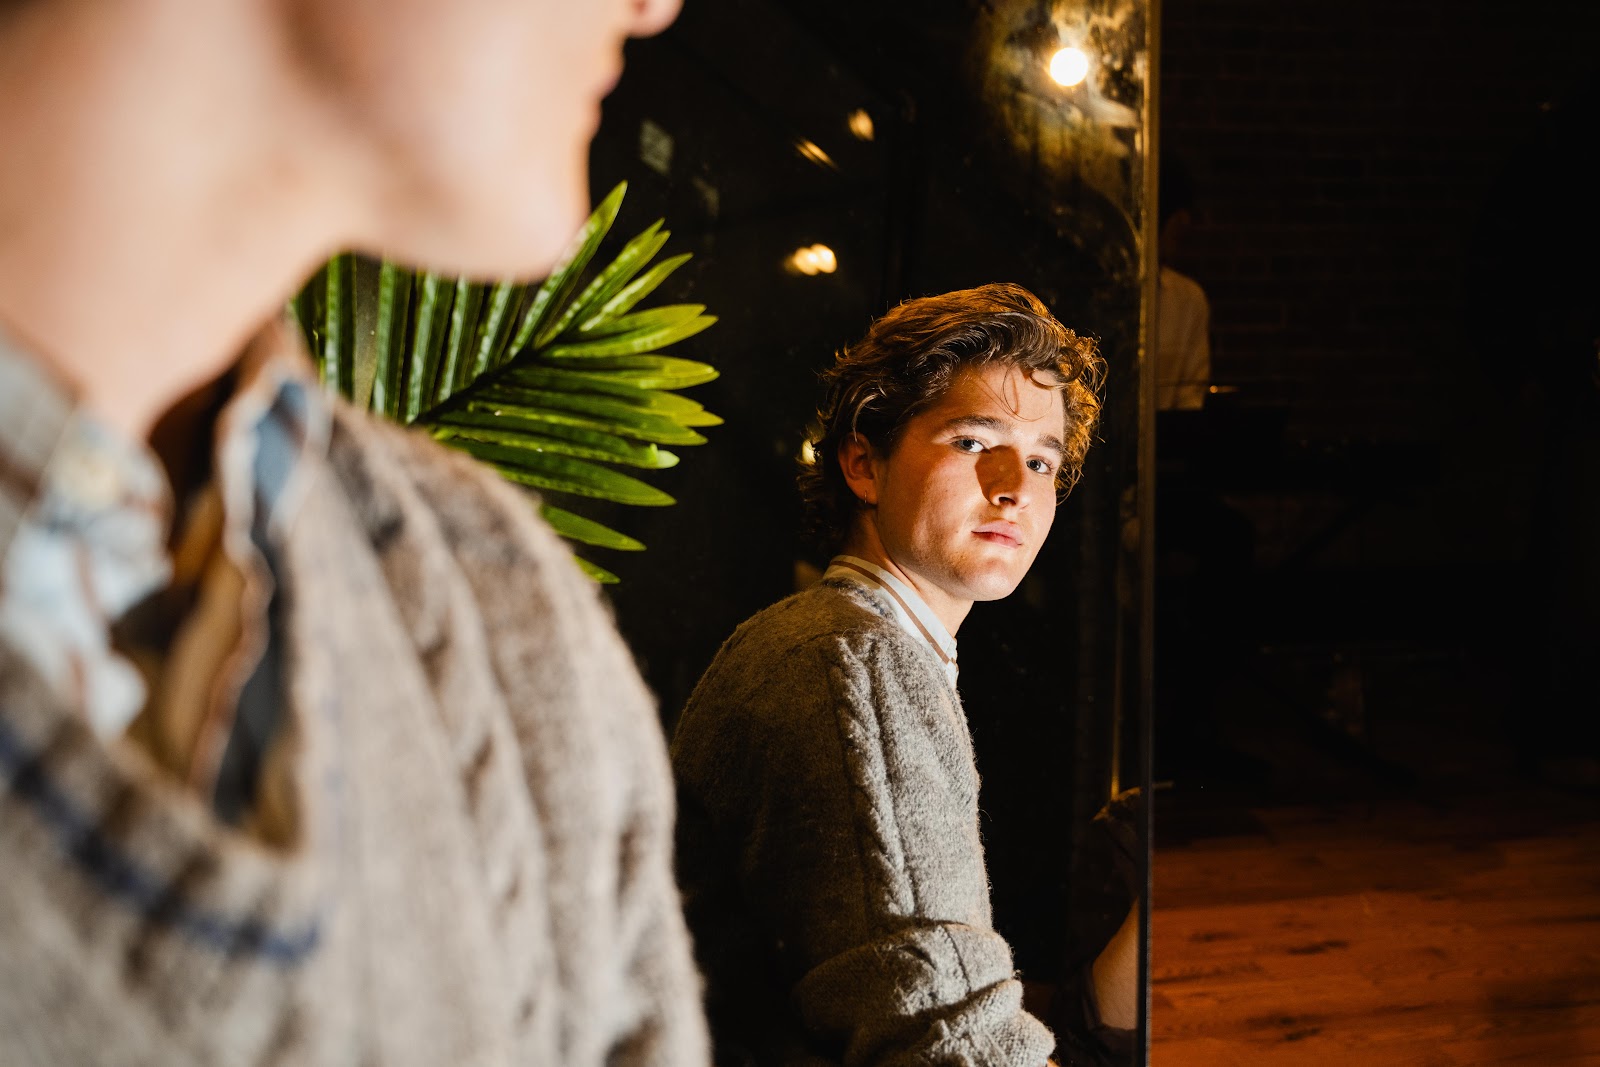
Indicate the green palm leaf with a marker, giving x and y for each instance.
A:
(598, 573)
(648, 371)
(394, 306)
(557, 289)
(554, 386)
(635, 291)
(577, 528)
(555, 436)
(633, 342)
(608, 282)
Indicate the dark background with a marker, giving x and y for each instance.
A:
(1395, 222)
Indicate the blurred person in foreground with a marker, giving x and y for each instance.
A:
(315, 747)
(828, 839)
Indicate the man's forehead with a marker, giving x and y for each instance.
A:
(1004, 393)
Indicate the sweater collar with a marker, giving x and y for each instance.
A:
(909, 609)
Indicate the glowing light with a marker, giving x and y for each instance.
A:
(813, 151)
(1069, 66)
(813, 260)
(861, 125)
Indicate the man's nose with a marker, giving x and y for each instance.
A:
(652, 16)
(1005, 476)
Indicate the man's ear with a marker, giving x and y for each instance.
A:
(856, 460)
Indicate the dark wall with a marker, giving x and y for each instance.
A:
(735, 86)
(1347, 158)
(1395, 222)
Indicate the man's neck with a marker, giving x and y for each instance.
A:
(125, 263)
(865, 544)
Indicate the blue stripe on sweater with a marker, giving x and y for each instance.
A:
(125, 880)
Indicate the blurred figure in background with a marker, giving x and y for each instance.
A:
(314, 745)
(1183, 314)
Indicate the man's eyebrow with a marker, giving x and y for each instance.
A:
(1048, 441)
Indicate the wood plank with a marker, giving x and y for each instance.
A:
(1405, 935)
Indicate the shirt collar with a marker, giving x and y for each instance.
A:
(35, 411)
(909, 609)
(84, 511)
(275, 419)
(54, 455)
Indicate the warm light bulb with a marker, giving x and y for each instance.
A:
(861, 125)
(1069, 66)
(813, 260)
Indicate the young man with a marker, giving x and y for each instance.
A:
(828, 819)
(385, 787)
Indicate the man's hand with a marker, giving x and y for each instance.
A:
(1116, 975)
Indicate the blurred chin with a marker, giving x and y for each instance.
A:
(514, 222)
(529, 236)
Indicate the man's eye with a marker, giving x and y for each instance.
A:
(969, 444)
(1041, 466)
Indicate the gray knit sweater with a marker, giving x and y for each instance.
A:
(829, 849)
(483, 873)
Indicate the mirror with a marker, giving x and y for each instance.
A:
(905, 149)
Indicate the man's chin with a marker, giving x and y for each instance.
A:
(510, 230)
(993, 586)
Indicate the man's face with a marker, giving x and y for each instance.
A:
(481, 111)
(967, 496)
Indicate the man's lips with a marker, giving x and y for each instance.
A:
(1000, 533)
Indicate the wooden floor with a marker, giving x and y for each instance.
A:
(1468, 933)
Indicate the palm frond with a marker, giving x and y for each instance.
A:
(553, 386)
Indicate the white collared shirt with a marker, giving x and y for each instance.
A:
(1183, 343)
(85, 514)
(910, 610)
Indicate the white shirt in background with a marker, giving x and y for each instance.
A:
(1183, 343)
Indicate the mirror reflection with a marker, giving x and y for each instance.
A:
(824, 165)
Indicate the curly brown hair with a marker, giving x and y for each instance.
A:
(908, 360)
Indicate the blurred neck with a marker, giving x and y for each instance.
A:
(164, 189)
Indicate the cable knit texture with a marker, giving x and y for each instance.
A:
(481, 872)
(829, 849)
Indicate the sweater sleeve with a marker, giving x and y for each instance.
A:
(866, 852)
(658, 1018)
(594, 760)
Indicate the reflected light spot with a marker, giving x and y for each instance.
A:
(1069, 66)
(861, 125)
(813, 260)
(813, 151)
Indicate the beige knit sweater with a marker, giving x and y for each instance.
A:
(481, 873)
